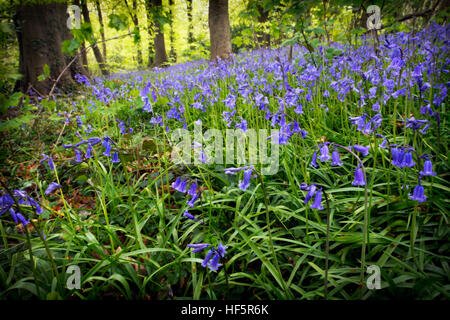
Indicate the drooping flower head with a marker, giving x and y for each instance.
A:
(324, 153)
(336, 161)
(317, 204)
(427, 169)
(359, 178)
(362, 149)
(418, 194)
(179, 185)
(52, 187)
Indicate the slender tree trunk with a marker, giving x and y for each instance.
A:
(158, 40)
(83, 54)
(136, 25)
(41, 29)
(97, 53)
(263, 37)
(148, 10)
(190, 27)
(219, 29)
(325, 20)
(172, 53)
(102, 28)
(135, 19)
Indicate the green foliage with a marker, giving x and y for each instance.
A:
(118, 22)
(12, 101)
(46, 73)
(84, 33)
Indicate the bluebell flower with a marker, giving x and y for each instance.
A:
(362, 149)
(193, 189)
(191, 202)
(50, 163)
(221, 249)
(107, 151)
(207, 258)
(397, 157)
(427, 169)
(311, 191)
(78, 157)
(7, 202)
(89, 151)
(336, 161)
(424, 129)
(317, 204)
(52, 187)
(245, 183)
(115, 158)
(359, 178)
(407, 160)
(214, 264)
(94, 140)
(383, 144)
(324, 153)
(376, 106)
(242, 125)
(198, 246)
(359, 121)
(235, 170)
(188, 215)
(179, 185)
(418, 194)
(415, 124)
(49, 160)
(314, 160)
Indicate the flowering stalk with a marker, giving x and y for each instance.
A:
(366, 215)
(327, 245)
(270, 230)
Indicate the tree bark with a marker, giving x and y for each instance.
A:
(158, 40)
(41, 29)
(135, 19)
(172, 53)
(190, 29)
(97, 53)
(83, 54)
(263, 37)
(136, 25)
(102, 28)
(148, 11)
(219, 29)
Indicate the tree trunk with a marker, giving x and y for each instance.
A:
(84, 60)
(148, 10)
(136, 25)
(172, 53)
(190, 32)
(102, 28)
(263, 37)
(219, 29)
(97, 53)
(41, 29)
(135, 19)
(158, 40)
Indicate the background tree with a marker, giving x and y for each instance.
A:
(172, 53)
(134, 17)
(97, 53)
(102, 27)
(219, 29)
(41, 29)
(190, 27)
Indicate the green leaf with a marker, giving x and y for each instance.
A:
(118, 22)
(70, 46)
(46, 70)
